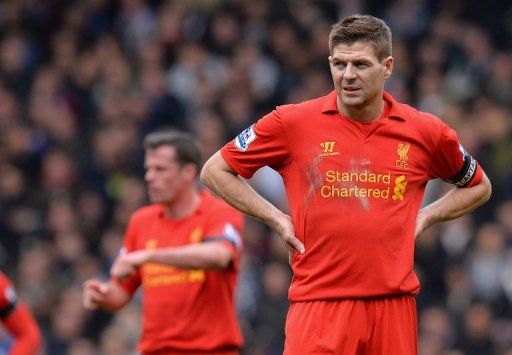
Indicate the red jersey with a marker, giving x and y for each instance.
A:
(186, 310)
(354, 189)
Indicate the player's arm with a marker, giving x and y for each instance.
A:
(211, 255)
(23, 328)
(452, 163)
(221, 178)
(107, 295)
(456, 203)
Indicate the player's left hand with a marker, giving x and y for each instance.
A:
(423, 221)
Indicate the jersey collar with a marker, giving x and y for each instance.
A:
(395, 109)
(205, 201)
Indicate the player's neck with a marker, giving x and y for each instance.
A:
(367, 113)
(185, 204)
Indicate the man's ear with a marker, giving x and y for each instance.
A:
(388, 63)
(190, 171)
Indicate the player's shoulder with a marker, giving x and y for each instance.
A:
(421, 119)
(409, 113)
(147, 212)
(303, 109)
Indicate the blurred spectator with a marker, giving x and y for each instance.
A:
(271, 308)
(476, 337)
(437, 331)
(486, 263)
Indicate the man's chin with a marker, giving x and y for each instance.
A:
(154, 199)
(352, 102)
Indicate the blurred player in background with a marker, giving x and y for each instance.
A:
(18, 321)
(355, 164)
(184, 250)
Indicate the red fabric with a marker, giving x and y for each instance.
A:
(354, 190)
(7, 294)
(19, 322)
(380, 326)
(193, 352)
(186, 310)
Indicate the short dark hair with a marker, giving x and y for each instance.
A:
(367, 28)
(187, 150)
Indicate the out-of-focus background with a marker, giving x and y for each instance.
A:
(81, 82)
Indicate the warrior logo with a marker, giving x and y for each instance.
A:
(328, 149)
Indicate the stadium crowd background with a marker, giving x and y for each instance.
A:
(81, 82)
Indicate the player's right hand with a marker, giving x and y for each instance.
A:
(94, 293)
(286, 231)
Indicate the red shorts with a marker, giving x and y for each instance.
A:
(191, 352)
(377, 326)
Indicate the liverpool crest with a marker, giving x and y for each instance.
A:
(402, 150)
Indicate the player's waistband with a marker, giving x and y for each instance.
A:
(362, 298)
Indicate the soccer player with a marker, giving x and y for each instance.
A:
(355, 164)
(184, 250)
(18, 321)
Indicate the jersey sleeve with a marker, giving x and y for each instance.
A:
(131, 283)
(17, 319)
(8, 297)
(452, 163)
(262, 144)
(25, 331)
(225, 227)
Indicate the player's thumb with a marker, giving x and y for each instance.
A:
(418, 229)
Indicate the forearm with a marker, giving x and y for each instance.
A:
(218, 176)
(195, 256)
(458, 202)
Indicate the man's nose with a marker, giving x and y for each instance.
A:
(350, 72)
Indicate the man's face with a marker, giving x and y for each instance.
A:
(165, 178)
(358, 74)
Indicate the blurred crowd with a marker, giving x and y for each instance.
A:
(81, 83)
